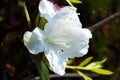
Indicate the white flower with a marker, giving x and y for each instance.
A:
(63, 36)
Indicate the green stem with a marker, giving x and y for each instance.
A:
(84, 75)
(76, 67)
(69, 2)
(27, 14)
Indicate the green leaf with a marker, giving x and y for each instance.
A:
(70, 61)
(84, 75)
(42, 23)
(102, 71)
(86, 61)
(27, 15)
(37, 21)
(43, 70)
(69, 2)
(76, 1)
(95, 65)
(41, 67)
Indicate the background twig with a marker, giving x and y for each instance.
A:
(105, 21)
(66, 75)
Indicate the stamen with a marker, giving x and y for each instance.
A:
(62, 44)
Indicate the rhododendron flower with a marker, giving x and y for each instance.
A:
(63, 36)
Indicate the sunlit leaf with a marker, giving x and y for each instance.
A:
(70, 61)
(76, 1)
(27, 15)
(102, 71)
(42, 23)
(96, 64)
(37, 21)
(86, 61)
(69, 2)
(84, 75)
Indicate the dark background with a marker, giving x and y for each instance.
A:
(15, 60)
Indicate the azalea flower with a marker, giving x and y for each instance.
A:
(62, 38)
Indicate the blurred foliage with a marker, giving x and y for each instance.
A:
(16, 63)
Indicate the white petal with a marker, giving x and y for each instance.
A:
(67, 16)
(79, 43)
(56, 60)
(26, 37)
(47, 9)
(34, 41)
(72, 40)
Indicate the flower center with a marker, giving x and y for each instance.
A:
(57, 43)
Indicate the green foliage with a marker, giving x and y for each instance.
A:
(95, 4)
(86, 61)
(73, 1)
(93, 66)
(97, 64)
(70, 61)
(102, 71)
(84, 75)
(41, 67)
(27, 14)
(42, 23)
(76, 1)
(43, 71)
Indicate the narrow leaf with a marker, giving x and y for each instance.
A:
(42, 23)
(69, 2)
(37, 20)
(27, 15)
(96, 64)
(43, 71)
(102, 71)
(76, 1)
(70, 61)
(86, 61)
(41, 67)
(84, 75)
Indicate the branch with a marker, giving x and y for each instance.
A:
(105, 21)
(66, 75)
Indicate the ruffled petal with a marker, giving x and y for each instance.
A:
(79, 43)
(67, 16)
(34, 41)
(67, 37)
(47, 9)
(56, 60)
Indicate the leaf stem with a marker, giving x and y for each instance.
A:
(76, 67)
(27, 14)
(69, 2)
